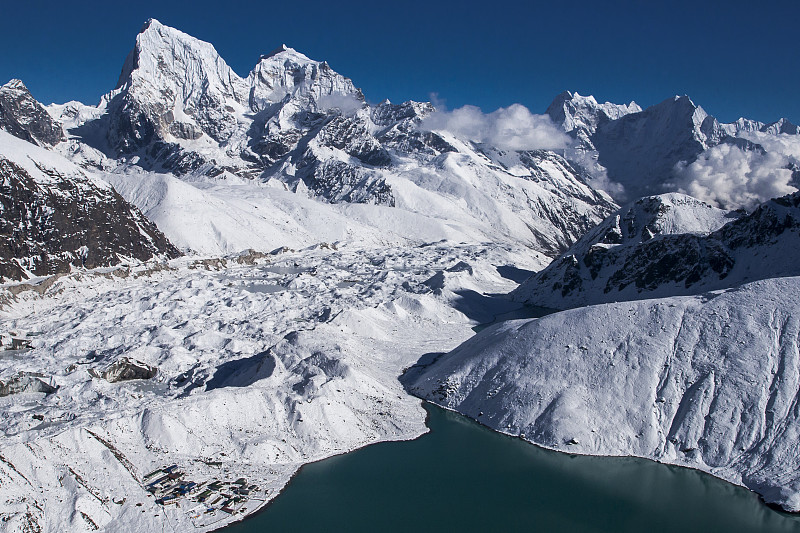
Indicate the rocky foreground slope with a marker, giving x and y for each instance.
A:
(55, 217)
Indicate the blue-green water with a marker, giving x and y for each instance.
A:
(464, 477)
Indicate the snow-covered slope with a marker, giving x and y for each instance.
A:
(55, 216)
(218, 219)
(708, 382)
(640, 252)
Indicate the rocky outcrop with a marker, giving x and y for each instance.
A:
(630, 256)
(126, 369)
(25, 382)
(22, 116)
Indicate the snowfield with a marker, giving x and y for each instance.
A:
(263, 364)
(709, 381)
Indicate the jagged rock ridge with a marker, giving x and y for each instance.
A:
(629, 256)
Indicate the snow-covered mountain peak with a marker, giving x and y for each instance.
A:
(174, 88)
(783, 125)
(576, 112)
(648, 217)
(580, 116)
(662, 214)
(287, 51)
(181, 66)
(286, 71)
(23, 117)
(15, 85)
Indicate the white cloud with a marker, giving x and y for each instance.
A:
(783, 143)
(346, 103)
(597, 173)
(731, 177)
(508, 128)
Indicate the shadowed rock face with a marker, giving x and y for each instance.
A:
(22, 116)
(49, 226)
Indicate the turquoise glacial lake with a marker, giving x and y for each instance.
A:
(464, 477)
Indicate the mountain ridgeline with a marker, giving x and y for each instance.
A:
(179, 110)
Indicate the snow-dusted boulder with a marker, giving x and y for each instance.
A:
(126, 369)
(25, 382)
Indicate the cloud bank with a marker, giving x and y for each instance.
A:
(347, 104)
(596, 174)
(731, 177)
(508, 128)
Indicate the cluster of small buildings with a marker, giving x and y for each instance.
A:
(168, 485)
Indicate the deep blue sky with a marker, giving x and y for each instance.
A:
(732, 57)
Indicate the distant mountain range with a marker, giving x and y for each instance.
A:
(179, 111)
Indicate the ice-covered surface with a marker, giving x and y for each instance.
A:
(670, 245)
(263, 363)
(708, 382)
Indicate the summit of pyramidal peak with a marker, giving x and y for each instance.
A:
(173, 86)
(163, 54)
(285, 71)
